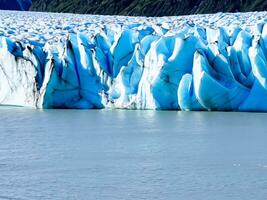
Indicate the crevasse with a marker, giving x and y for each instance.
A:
(139, 66)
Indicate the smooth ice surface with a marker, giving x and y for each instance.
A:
(198, 62)
(132, 155)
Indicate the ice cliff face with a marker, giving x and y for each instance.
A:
(15, 4)
(205, 62)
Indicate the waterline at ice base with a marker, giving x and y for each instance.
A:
(196, 63)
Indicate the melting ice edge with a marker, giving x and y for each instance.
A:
(200, 62)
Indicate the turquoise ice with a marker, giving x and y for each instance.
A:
(137, 63)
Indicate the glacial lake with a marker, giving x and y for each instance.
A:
(132, 155)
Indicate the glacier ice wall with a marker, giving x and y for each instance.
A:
(178, 63)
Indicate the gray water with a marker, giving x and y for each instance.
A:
(132, 155)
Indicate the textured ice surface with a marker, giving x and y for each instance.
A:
(200, 62)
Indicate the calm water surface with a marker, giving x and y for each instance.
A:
(132, 155)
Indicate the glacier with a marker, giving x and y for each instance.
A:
(213, 62)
